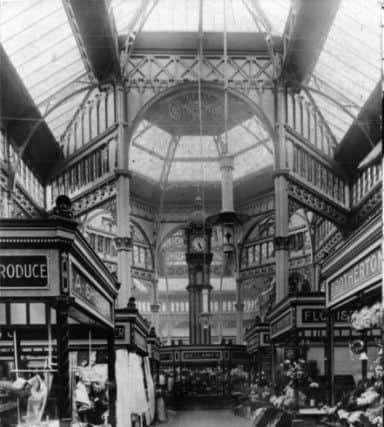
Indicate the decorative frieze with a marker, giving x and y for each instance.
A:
(94, 197)
(317, 203)
(159, 72)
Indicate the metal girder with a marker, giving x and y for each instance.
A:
(24, 122)
(134, 27)
(262, 141)
(264, 26)
(309, 197)
(219, 144)
(306, 30)
(171, 150)
(93, 26)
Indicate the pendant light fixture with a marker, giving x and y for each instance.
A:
(227, 218)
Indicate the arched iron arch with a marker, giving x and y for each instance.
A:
(180, 88)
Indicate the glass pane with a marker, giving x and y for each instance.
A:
(3, 313)
(19, 313)
(37, 313)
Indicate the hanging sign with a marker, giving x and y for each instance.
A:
(23, 271)
(87, 292)
(282, 324)
(359, 274)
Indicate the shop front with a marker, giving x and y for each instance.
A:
(135, 383)
(56, 327)
(354, 284)
(204, 370)
(259, 348)
(297, 331)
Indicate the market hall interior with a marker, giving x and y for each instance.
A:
(191, 213)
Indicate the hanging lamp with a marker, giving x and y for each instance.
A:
(227, 219)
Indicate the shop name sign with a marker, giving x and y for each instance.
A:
(86, 291)
(281, 324)
(318, 315)
(360, 273)
(23, 271)
(201, 355)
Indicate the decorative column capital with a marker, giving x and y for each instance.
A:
(123, 243)
(123, 172)
(226, 162)
(280, 172)
(155, 308)
(281, 243)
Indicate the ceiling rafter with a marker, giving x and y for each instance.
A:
(134, 27)
(79, 41)
(218, 140)
(264, 26)
(252, 133)
(172, 146)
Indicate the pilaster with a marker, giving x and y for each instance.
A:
(281, 200)
(239, 306)
(123, 206)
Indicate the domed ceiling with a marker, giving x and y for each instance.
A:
(180, 142)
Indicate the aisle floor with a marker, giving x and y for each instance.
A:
(208, 418)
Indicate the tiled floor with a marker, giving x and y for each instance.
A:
(208, 418)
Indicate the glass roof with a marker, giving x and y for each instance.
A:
(349, 65)
(38, 39)
(183, 15)
(197, 159)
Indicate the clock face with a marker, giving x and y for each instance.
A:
(198, 244)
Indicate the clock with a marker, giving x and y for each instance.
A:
(198, 244)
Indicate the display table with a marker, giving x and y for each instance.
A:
(8, 406)
(312, 416)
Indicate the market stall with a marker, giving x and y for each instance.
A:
(56, 311)
(205, 370)
(154, 354)
(135, 385)
(259, 348)
(354, 282)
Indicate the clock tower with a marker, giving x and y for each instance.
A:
(199, 257)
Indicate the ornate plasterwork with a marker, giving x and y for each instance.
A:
(316, 203)
(93, 198)
(328, 247)
(368, 207)
(21, 206)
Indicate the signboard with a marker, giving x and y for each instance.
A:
(354, 277)
(20, 271)
(140, 341)
(87, 292)
(318, 315)
(201, 355)
(265, 339)
(166, 357)
(120, 332)
(282, 324)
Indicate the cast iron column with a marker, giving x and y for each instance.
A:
(111, 378)
(329, 356)
(281, 200)
(64, 398)
(155, 306)
(239, 312)
(123, 208)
